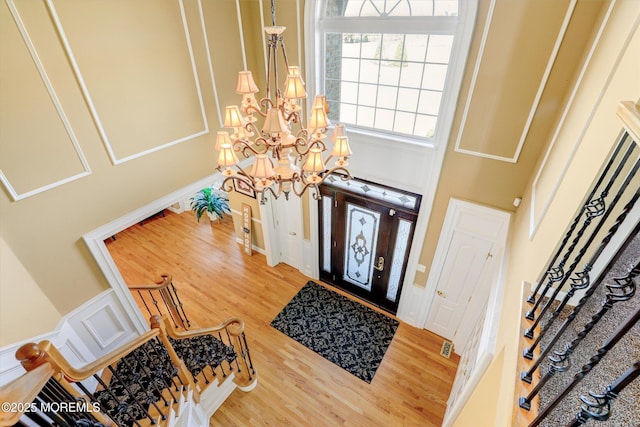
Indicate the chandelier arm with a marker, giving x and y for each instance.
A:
(253, 109)
(293, 116)
(314, 143)
(241, 175)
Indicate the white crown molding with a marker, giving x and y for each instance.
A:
(89, 100)
(58, 106)
(535, 221)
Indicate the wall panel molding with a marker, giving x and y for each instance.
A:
(115, 158)
(71, 336)
(534, 106)
(86, 170)
(540, 204)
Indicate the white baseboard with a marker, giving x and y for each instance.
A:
(253, 247)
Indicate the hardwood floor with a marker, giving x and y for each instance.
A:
(296, 387)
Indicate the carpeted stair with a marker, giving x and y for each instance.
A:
(147, 371)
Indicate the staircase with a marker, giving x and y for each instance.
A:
(580, 359)
(165, 377)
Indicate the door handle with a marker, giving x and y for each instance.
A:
(441, 294)
(380, 265)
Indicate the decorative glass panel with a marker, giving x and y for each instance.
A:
(360, 245)
(399, 252)
(375, 192)
(399, 8)
(327, 204)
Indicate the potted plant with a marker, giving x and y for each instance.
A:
(210, 201)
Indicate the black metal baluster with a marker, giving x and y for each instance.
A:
(48, 395)
(123, 406)
(532, 298)
(151, 375)
(175, 291)
(602, 351)
(115, 374)
(55, 417)
(528, 353)
(153, 402)
(595, 209)
(599, 409)
(37, 418)
(224, 374)
(145, 303)
(155, 302)
(244, 340)
(166, 304)
(166, 360)
(623, 290)
(71, 398)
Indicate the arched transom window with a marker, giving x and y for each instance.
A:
(385, 65)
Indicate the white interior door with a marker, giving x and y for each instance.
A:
(466, 260)
(465, 269)
(287, 220)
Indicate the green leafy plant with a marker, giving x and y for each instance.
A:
(210, 201)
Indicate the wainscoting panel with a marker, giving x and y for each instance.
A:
(102, 324)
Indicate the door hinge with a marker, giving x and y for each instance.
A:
(335, 203)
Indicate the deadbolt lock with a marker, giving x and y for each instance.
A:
(380, 265)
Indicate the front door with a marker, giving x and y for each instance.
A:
(365, 244)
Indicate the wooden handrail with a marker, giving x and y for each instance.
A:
(233, 325)
(160, 283)
(33, 355)
(629, 113)
(23, 390)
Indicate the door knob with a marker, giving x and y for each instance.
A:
(292, 233)
(440, 293)
(380, 265)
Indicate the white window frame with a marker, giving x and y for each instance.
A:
(316, 25)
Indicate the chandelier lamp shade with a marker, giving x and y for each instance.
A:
(288, 156)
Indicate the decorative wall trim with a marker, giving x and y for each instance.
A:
(94, 323)
(210, 63)
(545, 77)
(536, 221)
(58, 106)
(474, 76)
(77, 343)
(536, 101)
(241, 34)
(92, 109)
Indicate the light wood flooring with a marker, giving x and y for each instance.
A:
(296, 387)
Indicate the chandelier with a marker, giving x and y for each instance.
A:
(297, 150)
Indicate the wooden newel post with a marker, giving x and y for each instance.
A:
(246, 378)
(31, 356)
(183, 373)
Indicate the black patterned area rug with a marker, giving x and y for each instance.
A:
(342, 331)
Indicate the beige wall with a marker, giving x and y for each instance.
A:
(146, 101)
(595, 135)
(141, 84)
(17, 284)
